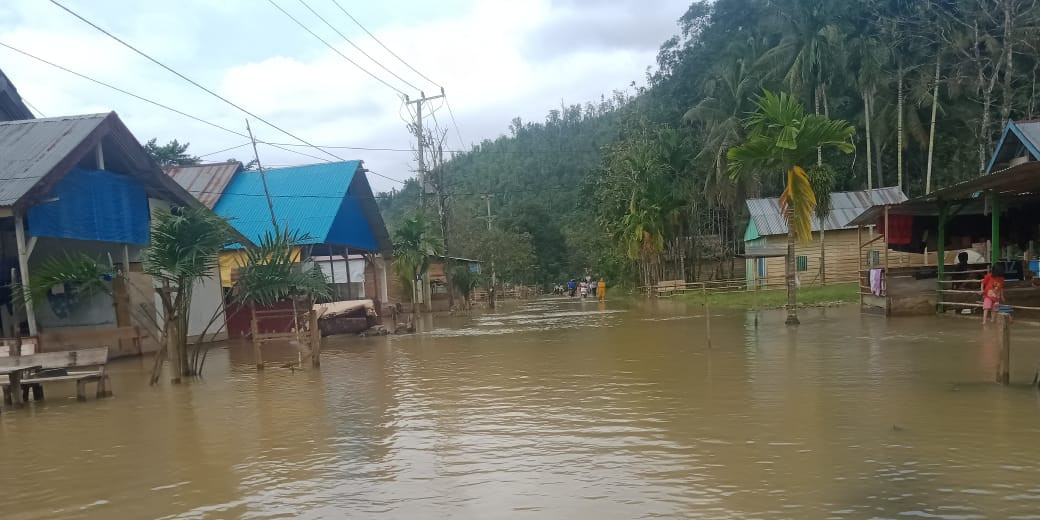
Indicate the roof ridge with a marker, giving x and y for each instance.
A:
(99, 115)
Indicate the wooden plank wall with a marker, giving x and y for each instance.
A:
(842, 257)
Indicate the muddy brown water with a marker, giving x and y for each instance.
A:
(558, 409)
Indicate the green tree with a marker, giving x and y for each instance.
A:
(172, 153)
(414, 244)
(781, 138)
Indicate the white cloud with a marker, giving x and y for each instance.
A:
(496, 59)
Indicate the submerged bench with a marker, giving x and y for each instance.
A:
(93, 360)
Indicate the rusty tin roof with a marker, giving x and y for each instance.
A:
(206, 182)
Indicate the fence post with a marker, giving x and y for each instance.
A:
(1004, 333)
(255, 329)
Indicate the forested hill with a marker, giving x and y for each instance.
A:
(597, 186)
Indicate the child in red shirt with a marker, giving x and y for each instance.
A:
(992, 292)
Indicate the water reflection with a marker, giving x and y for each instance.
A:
(558, 408)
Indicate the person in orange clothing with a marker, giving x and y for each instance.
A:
(992, 292)
(601, 290)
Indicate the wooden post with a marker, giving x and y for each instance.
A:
(994, 229)
(315, 338)
(1004, 333)
(24, 250)
(255, 327)
(707, 313)
(940, 260)
(884, 243)
(859, 265)
(350, 283)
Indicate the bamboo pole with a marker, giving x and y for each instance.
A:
(1004, 362)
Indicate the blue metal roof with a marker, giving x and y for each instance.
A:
(314, 200)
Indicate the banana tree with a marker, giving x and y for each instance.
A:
(781, 138)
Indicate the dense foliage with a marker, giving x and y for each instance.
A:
(597, 186)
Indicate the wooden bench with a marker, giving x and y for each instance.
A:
(91, 359)
(669, 287)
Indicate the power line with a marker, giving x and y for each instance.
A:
(189, 80)
(387, 49)
(456, 125)
(359, 49)
(156, 103)
(224, 150)
(334, 49)
(38, 111)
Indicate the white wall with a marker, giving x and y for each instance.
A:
(207, 301)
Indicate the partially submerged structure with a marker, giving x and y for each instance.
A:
(994, 219)
(330, 205)
(84, 184)
(832, 256)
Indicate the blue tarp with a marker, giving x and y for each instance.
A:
(93, 205)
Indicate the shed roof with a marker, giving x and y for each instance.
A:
(1020, 139)
(767, 218)
(331, 203)
(1016, 185)
(205, 182)
(36, 153)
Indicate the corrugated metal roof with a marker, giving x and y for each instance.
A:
(845, 206)
(308, 199)
(206, 182)
(31, 148)
(1031, 131)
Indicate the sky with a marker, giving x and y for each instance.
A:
(495, 59)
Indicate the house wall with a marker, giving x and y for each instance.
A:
(97, 311)
(842, 258)
(207, 305)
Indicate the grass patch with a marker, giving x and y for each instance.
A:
(776, 299)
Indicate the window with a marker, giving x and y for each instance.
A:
(802, 263)
(873, 258)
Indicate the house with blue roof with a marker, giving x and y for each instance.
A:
(1019, 143)
(331, 204)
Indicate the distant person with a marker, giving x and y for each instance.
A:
(959, 271)
(992, 292)
(572, 286)
(584, 289)
(601, 289)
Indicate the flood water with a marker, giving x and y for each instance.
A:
(558, 409)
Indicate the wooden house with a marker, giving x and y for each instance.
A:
(834, 253)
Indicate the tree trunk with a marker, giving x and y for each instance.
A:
(877, 158)
(819, 149)
(1009, 63)
(931, 131)
(823, 255)
(792, 302)
(900, 95)
(173, 349)
(866, 113)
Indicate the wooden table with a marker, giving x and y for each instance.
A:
(15, 375)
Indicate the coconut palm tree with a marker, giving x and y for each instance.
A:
(414, 243)
(781, 138)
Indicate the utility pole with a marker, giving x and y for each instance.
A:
(263, 179)
(494, 282)
(442, 203)
(421, 141)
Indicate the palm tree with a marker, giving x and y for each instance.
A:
(782, 137)
(184, 249)
(414, 243)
